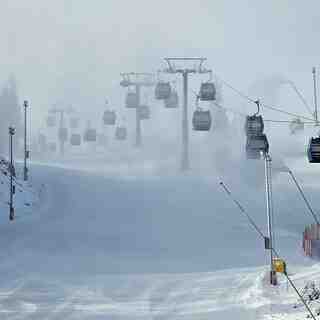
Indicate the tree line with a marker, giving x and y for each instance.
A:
(10, 114)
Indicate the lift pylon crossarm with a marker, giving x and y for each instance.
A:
(143, 82)
(172, 69)
(201, 59)
(186, 70)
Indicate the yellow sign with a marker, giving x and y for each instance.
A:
(279, 265)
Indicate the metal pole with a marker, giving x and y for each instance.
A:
(185, 165)
(273, 279)
(271, 205)
(25, 169)
(315, 95)
(138, 121)
(11, 209)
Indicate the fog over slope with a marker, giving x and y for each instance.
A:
(114, 231)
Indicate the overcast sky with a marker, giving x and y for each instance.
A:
(73, 50)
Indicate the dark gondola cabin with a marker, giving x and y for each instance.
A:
(201, 120)
(314, 150)
(75, 140)
(109, 117)
(256, 145)
(254, 125)
(207, 91)
(162, 90)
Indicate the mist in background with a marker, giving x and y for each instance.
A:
(10, 114)
(71, 53)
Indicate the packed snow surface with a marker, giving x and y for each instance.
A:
(96, 245)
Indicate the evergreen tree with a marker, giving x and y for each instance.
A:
(10, 115)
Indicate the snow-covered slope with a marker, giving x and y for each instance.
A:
(145, 247)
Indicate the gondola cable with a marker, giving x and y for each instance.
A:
(267, 120)
(264, 105)
(285, 112)
(303, 100)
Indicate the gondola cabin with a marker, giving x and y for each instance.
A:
(201, 120)
(207, 91)
(109, 117)
(256, 145)
(132, 100)
(90, 135)
(121, 133)
(75, 140)
(173, 101)
(313, 151)
(254, 125)
(162, 90)
(144, 112)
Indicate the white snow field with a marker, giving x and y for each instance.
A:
(118, 246)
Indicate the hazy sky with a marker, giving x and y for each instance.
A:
(73, 50)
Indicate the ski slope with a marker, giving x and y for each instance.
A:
(118, 246)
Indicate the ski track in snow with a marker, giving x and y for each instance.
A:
(158, 296)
